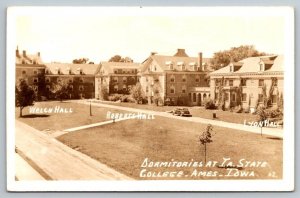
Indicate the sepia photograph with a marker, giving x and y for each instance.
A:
(150, 99)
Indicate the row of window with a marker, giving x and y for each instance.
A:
(244, 97)
(35, 72)
(121, 71)
(124, 79)
(80, 88)
(182, 66)
(124, 88)
(261, 82)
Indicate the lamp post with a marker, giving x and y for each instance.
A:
(90, 107)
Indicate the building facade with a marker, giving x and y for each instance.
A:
(175, 80)
(80, 78)
(249, 82)
(116, 77)
(30, 68)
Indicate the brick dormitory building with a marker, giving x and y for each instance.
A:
(176, 80)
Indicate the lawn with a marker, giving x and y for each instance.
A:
(59, 121)
(125, 145)
(197, 111)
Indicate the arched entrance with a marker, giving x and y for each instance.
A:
(204, 97)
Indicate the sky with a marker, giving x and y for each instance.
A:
(64, 36)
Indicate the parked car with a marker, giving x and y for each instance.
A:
(185, 112)
(182, 112)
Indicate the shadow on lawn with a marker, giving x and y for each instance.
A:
(35, 116)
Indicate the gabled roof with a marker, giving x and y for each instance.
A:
(252, 65)
(64, 68)
(110, 66)
(177, 61)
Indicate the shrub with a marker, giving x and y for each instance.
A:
(114, 97)
(127, 98)
(209, 104)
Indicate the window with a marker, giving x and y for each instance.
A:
(261, 67)
(183, 89)
(172, 78)
(81, 80)
(81, 88)
(58, 71)
(116, 88)
(35, 80)
(226, 96)
(184, 78)
(71, 87)
(23, 72)
(147, 89)
(217, 96)
(260, 98)
(230, 83)
(275, 82)
(124, 88)
(243, 82)
(244, 97)
(194, 97)
(48, 87)
(115, 79)
(115, 71)
(231, 68)
(171, 66)
(172, 90)
(58, 80)
(70, 72)
(197, 78)
(47, 71)
(261, 83)
(146, 79)
(48, 80)
(233, 96)
(71, 80)
(274, 99)
(35, 72)
(183, 67)
(124, 79)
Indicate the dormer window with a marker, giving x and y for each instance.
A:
(47, 71)
(170, 65)
(69, 70)
(57, 70)
(261, 66)
(193, 66)
(79, 70)
(231, 68)
(181, 64)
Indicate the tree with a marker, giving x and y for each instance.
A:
(206, 137)
(137, 93)
(104, 92)
(61, 90)
(235, 54)
(81, 61)
(25, 95)
(118, 58)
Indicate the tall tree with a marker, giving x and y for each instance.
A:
(80, 61)
(25, 95)
(61, 90)
(118, 58)
(235, 54)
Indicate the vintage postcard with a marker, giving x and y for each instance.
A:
(150, 99)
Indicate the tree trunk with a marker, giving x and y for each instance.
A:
(205, 153)
(21, 108)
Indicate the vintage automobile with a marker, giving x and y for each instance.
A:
(181, 112)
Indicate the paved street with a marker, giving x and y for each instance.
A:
(266, 131)
(56, 161)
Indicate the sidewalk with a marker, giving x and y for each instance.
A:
(265, 131)
(58, 161)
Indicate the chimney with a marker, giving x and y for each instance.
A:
(24, 53)
(153, 53)
(39, 54)
(200, 62)
(181, 53)
(17, 52)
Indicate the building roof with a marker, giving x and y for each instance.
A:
(177, 61)
(253, 65)
(110, 66)
(69, 68)
(24, 58)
